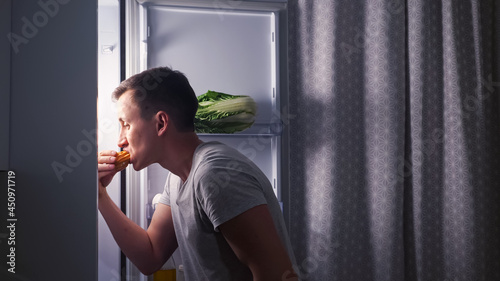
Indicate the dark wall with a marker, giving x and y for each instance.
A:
(5, 7)
(53, 96)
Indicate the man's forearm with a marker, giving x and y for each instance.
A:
(131, 238)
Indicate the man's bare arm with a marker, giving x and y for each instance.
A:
(253, 237)
(148, 250)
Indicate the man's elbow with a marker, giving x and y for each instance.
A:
(270, 271)
(148, 268)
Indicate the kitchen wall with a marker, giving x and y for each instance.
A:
(52, 138)
(5, 7)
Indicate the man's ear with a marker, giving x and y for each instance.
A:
(162, 122)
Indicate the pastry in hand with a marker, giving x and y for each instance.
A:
(122, 160)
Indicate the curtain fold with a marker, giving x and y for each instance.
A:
(394, 141)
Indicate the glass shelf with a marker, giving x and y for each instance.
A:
(257, 129)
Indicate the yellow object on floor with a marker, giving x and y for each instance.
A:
(164, 275)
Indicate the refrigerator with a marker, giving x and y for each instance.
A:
(234, 47)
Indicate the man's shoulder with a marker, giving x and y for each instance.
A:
(212, 151)
(215, 156)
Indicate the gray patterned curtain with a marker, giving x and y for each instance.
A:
(394, 139)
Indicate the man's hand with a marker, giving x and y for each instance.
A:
(106, 168)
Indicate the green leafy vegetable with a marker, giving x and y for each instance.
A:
(221, 113)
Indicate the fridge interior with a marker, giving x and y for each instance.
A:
(230, 51)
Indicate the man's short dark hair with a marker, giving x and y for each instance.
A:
(162, 89)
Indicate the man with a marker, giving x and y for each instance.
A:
(217, 206)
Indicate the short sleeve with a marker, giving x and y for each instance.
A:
(165, 196)
(224, 193)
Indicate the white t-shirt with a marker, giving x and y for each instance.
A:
(222, 184)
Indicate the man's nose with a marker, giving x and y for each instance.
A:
(122, 141)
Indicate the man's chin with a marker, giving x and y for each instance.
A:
(137, 167)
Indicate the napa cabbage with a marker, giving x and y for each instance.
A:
(222, 113)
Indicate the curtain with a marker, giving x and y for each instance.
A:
(394, 139)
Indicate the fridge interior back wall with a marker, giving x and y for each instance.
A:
(233, 47)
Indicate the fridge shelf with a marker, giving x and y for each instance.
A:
(257, 129)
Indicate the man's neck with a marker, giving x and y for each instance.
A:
(180, 154)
